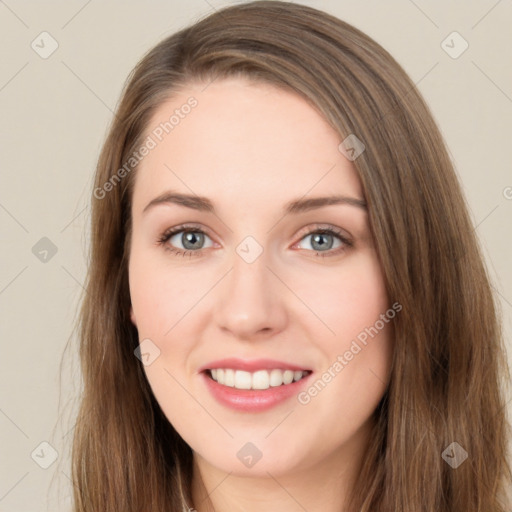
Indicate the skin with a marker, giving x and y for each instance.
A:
(250, 148)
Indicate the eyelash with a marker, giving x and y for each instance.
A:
(329, 230)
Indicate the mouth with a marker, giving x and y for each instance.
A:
(258, 380)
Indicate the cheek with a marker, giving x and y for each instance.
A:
(359, 355)
(347, 300)
(356, 342)
(159, 301)
(159, 298)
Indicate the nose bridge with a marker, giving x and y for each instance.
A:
(251, 298)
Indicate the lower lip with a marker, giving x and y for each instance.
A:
(253, 400)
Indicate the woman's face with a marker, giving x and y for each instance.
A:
(262, 295)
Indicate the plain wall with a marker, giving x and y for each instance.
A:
(55, 112)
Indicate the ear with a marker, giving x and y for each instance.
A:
(132, 316)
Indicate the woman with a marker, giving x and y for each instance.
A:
(226, 365)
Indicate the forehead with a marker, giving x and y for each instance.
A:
(242, 143)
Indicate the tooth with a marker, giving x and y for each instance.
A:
(260, 380)
(287, 377)
(229, 377)
(276, 378)
(243, 380)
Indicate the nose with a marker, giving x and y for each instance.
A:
(250, 301)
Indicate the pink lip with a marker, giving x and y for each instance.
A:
(252, 365)
(252, 400)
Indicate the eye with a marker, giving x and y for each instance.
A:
(322, 240)
(190, 237)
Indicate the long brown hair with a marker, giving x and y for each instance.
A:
(449, 366)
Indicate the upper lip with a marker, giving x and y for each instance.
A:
(251, 365)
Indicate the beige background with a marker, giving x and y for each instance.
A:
(55, 112)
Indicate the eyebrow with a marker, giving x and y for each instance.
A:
(296, 206)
